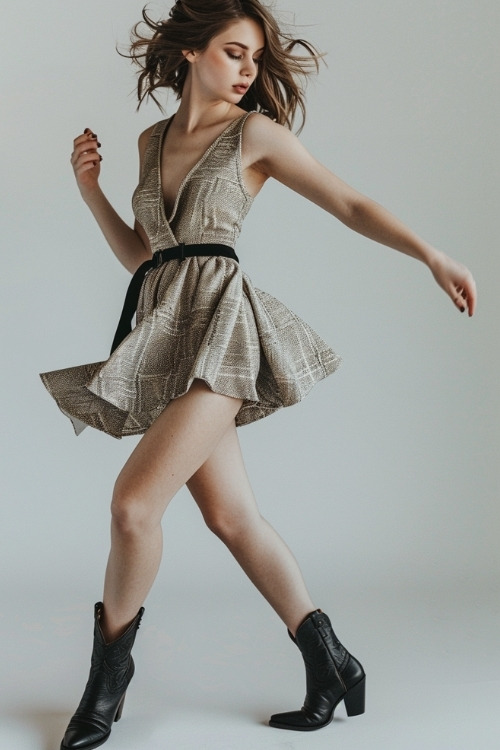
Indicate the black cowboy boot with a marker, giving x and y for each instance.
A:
(332, 675)
(111, 670)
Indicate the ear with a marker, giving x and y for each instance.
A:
(190, 54)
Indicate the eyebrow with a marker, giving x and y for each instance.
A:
(244, 46)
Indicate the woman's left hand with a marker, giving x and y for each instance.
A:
(456, 280)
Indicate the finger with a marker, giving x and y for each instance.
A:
(86, 168)
(90, 142)
(83, 149)
(468, 293)
(85, 142)
(458, 299)
(85, 157)
(464, 297)
(87, 133)
(87, 161)
(472, 298)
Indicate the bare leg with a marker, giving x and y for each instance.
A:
(171, 451)
(222, 491)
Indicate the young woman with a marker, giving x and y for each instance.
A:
(209, 352)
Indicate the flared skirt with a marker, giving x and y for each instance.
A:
(196, 318)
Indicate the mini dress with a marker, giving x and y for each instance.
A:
(198, 317)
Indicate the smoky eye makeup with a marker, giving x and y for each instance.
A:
(237, 55)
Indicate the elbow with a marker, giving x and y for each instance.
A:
(358, 212)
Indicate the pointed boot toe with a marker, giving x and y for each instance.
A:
(82, 735)
(300, 721)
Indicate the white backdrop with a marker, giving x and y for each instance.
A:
(387, 474)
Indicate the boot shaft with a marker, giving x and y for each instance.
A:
(316, 636)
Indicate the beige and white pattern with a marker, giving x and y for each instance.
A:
(198, 317)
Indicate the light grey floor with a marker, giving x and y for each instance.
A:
(212, 667)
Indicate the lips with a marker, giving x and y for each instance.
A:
(241, 88)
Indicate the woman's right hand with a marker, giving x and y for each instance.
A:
(86, 161)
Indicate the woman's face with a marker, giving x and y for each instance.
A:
(230, 63)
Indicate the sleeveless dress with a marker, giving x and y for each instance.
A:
(199, 317)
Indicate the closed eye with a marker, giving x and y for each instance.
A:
(240, 57)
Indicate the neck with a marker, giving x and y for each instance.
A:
(196, 112)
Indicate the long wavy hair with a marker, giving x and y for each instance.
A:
(278, 90)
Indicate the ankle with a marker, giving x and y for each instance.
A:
(297, 622)
(112, 627)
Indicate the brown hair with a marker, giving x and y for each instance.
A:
(276, 92)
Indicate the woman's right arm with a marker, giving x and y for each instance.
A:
(131, 246)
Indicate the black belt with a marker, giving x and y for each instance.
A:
(161, 256)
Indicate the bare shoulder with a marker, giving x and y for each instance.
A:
(260, 129)
(266, 144)
(146, 135)
(144, 139)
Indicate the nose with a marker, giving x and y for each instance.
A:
(249, 68)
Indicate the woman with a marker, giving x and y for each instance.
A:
(209, 352)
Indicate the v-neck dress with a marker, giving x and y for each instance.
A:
(199, 317)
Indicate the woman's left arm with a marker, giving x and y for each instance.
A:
(276, 152)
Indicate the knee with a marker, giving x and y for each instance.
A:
(228, 527)
(129, 516)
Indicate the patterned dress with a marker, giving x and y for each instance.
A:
(199, 317)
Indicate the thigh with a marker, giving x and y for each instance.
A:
(175, 446)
